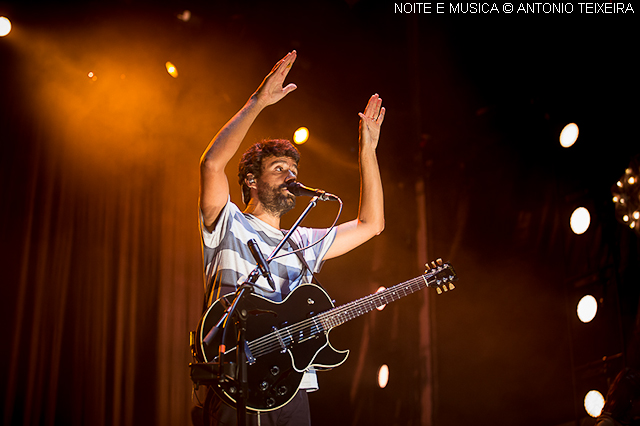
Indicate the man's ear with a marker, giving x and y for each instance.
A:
(250, 180)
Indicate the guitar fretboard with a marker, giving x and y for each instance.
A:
(344, 313)
(296, 333)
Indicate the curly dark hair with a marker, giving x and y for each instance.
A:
(251, 161)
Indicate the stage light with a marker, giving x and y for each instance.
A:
(301, 135)
(569, 135)
(381, 307)
(626, 196)
(171, 69)
(185, 16)
(383, 376)
(5, 26)
(587, 308)
(593, 403)
(580, 220)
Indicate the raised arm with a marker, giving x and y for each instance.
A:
(370, 220)
(214, 186)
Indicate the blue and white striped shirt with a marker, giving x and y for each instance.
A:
(228, 261)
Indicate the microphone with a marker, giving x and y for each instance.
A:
(262, 264)
(298, 189)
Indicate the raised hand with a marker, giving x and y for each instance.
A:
(371, 121)
(271, 90)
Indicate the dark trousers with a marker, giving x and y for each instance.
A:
(295, 413)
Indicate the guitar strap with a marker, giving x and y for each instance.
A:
(304, 262)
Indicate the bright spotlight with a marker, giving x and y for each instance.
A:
(301, 135)
(383, 376)
(580, 220)
(587, 308)
(171, 69)
(569, 135)
(593, 403)
(5, 26)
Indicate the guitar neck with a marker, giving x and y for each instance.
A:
(352, 310)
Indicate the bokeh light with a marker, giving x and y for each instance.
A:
(593, 403)
(580, 220)
(171, 69)
(569, 135)
(5, 26)
(587, 308)
(301, 135)
(383, 376)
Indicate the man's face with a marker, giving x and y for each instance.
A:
(272, 188)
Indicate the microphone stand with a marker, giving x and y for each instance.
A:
(241, 321)
(312, 203)
(240, 316)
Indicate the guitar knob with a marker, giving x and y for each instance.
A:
(232, 390)
(282, 390)
(275, 370)
(264, 386)
(271, 402)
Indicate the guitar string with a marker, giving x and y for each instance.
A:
(336, 316)
(333, 317)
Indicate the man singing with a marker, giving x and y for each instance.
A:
(265, 170)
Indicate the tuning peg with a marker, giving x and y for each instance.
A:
(426, 265)
(451, 286)
(438, 290)
(433, 264)
(440, 262)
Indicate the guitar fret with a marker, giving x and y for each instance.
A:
(349, 311)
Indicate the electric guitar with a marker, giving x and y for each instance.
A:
(286, 338)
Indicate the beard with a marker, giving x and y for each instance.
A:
(274, 199)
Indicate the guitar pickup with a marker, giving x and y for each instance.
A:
(282, 345)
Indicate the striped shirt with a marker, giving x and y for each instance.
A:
(228, 261)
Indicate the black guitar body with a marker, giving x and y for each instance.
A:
(284, 339)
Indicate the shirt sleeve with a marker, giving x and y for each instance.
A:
(315, 254)
(221, 226)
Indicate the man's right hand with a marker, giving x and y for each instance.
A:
(214, 186)
(271, 90)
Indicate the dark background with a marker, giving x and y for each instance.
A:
(101, 265)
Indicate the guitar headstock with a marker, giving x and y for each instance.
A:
(440, 275)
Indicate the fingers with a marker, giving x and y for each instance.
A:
(284, 65)
(271, 90)
(374, 109)
(381, 115)
(289, 88)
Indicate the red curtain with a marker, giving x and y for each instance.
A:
(101, 268)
